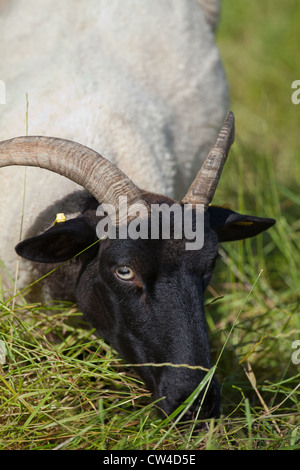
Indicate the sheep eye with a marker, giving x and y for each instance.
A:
(125, 273)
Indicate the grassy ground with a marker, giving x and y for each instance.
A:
(71, 391)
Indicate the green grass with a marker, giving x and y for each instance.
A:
(61, 387)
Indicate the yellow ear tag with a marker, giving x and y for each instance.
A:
(243, 223)
(60, 218)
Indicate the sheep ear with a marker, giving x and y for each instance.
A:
(230, 225)
(59, 243)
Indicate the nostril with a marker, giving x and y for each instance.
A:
(205, 406)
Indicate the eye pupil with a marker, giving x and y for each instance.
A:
(125, 273)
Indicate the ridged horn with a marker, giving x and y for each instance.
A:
(101, 178)
(203, 188)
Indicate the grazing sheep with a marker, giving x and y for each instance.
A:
(144, 295)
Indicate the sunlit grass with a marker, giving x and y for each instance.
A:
(62, 387)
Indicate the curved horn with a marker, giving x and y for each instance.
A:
(101, 178)
(205, 184)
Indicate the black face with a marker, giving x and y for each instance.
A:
(147, 299)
